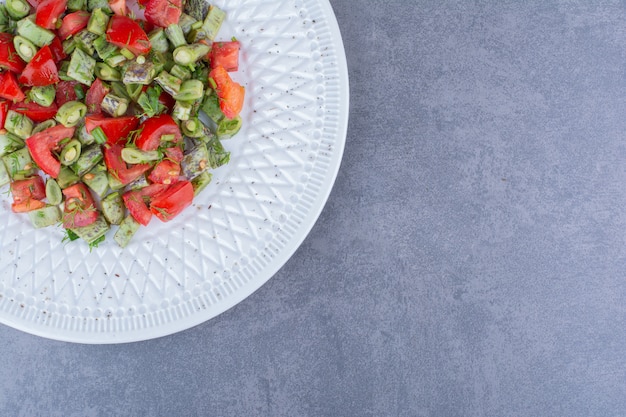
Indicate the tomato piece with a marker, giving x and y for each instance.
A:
(153, 128)
(163, 13)
(174, 153)
(9, 59)
(125, 32)
(56, 47)
(120, 170)
(34, 3)
(95, 95)
(41, 70)
(80, 209)
(34, 111)
(68, 91)
(4, 109)
(116, 129)
(73, 23)
(230, 93)
(168, 203)
(42, 144)
(27, 194)
(136, 202)
(165, 172)
(118, 7)
(9, 88)
(49, 12)
(225, 54)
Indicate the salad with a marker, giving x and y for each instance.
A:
(108, 119)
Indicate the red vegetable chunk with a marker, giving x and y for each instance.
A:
(125, 32)
(41, 70)
(163, 13)
(27, 194)
(9, 59)
(49, 12)
(9, 88)
(116, 129)
(153, 128)
(43, 143)
(73, 23)
(230, 93)
(118, 168)
(170, 202)
(34, 111)
(80, 209)
(225, 54)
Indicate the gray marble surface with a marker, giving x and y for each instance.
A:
(471, 260)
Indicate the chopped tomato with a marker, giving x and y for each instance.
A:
(230, 93)
(34, 3)
(125, 32)
(136, 202)
(41, 70)
(34, 111)
(120, 170)
(56, 47)
(4, 108)
(167, 100)
(9, 88)
(163, 13)
(73, 23)
(118, 7)
(49, 12)
(67, 91)
(43, 143)
(153, 128)
(225, 54)
(79, 209)
(116, 129)
(9, 59)
(174, 153)
(165, 172)
(168, 203)
(27, 194)
(95, 95)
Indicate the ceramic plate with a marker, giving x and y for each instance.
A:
(239, 231)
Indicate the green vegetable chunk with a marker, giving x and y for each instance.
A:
(81, 67)
(45, 216)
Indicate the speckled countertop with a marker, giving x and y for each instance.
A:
(471, 259)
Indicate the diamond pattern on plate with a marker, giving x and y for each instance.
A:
(241, 228)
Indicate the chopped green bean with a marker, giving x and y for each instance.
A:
(24, 48)
(17, 9)
(189, 54)
(70, 113)
(114, 105)
(43, 96)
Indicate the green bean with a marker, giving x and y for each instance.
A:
(182, 110)
(190, 90)
(98, 22)
(24, 48)
(106, 73)
(42, 95)
(36, 34)
(18, 124)
(192, 127)
(189, 54)
(169, 83)
(137, 156)
(70, 113)
(17, 9)
(114, 105)
(70, 152)
(175, 35)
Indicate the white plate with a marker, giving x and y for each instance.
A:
(242, 228)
